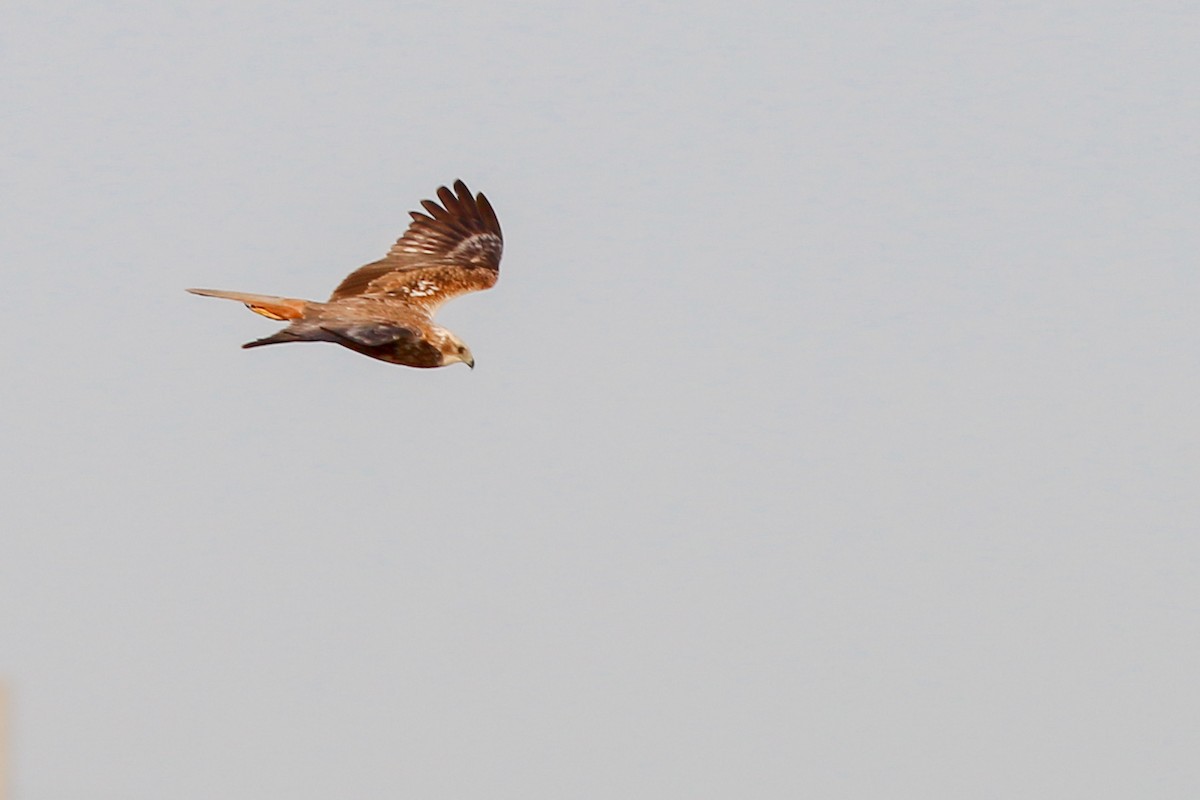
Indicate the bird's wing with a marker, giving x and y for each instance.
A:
(453, 249)
(370, 334)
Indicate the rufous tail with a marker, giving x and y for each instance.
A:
(277, 308)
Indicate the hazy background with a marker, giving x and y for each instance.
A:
(833, 432)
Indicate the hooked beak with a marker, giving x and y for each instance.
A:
(470, 362)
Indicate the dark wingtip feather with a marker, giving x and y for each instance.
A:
(449, 201)
(279, 338)
(488, 214)
(464, 195)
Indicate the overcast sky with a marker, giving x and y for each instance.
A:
(833, 432)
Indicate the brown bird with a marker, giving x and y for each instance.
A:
(385, 309)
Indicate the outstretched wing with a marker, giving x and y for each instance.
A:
(370, 334)
(453, 249)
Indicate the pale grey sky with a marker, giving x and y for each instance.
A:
(833, 431)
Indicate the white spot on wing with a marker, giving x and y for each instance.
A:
(423, 288)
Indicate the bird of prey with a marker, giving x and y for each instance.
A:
(385, 309)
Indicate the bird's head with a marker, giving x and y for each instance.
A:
(454, 350)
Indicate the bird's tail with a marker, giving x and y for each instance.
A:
(277, 308)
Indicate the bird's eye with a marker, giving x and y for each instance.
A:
(462, 349)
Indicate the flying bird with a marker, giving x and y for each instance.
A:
(385, 309)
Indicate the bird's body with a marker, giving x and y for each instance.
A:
(385, 309)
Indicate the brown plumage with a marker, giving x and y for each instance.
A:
(385, 309)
